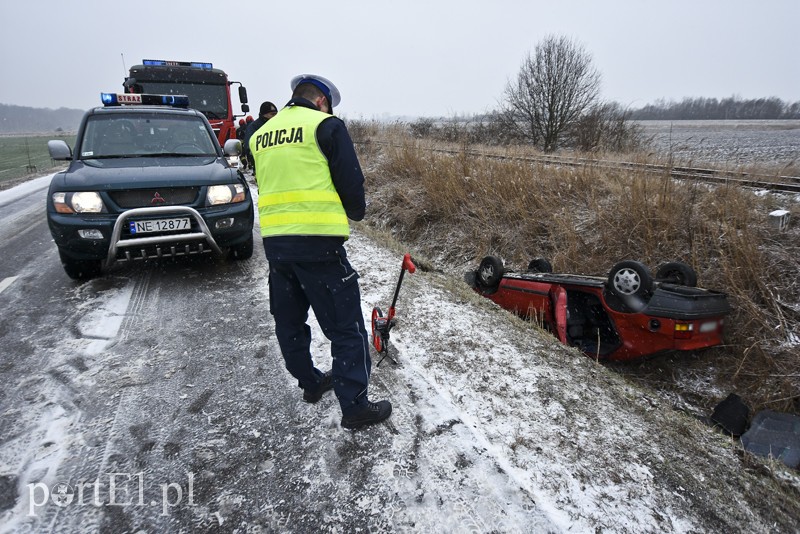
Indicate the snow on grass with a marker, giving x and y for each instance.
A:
(591, 450)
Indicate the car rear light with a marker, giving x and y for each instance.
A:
(683, 330)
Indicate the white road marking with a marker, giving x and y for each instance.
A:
(101, 323)
(7, 282)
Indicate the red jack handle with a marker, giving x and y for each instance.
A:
(409, 266)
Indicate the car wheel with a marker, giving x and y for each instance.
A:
(677, 273)
(243, 251)
(490, 271)
(377, 339)
(80, 269)
(540, 265)
(630, 278)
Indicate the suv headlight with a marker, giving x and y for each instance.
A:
(225, 194)
(79, 202)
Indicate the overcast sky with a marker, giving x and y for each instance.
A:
(402, 57)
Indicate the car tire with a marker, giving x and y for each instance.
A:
(243, 251)
(540, 265)
(80, 269)
(490, 271)
(377, 339)
(677, 273)
(630, 279)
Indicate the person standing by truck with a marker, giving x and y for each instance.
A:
(310, 182)
(265, 113)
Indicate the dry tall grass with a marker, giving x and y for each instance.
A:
(457, 208)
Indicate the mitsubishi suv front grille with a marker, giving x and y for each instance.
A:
(145, 198)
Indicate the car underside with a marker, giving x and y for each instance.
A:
(626, 316)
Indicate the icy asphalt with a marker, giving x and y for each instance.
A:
(154, 399)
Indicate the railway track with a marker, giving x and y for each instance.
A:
(782, 184)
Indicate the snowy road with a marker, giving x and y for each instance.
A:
(154, 399)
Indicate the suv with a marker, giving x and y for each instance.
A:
(146, 181)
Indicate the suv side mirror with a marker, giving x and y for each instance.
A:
(233, 147)
(59, 150)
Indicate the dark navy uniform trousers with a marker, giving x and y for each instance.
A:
(330, 288)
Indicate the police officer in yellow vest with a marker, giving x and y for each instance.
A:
(309, 184)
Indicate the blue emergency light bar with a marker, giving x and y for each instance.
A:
(120, 99)
(163, 63)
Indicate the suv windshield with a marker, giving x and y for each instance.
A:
(145, 134)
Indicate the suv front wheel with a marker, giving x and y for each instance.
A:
(242, 251)
(79, 269)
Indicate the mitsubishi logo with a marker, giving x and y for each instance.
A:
(158, 199)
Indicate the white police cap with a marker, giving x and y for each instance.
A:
(324, 85)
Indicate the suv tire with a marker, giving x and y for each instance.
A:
(80, 269)
(243, 251)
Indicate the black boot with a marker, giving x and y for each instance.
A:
(325, 384)
(371, 413)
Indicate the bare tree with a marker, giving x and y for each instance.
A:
(554, 87)
(606, 126)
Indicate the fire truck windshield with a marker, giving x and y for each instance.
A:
(211, 100)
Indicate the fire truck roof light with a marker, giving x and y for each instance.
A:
(117, 99)
(164, 63)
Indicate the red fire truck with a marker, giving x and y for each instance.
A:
(208, 89)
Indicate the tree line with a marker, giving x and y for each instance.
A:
(27, 120)
(714, 109)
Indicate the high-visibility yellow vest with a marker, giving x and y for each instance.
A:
(296, 195)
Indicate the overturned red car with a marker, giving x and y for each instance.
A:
(627, 315)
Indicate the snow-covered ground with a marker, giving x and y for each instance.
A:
(171, 371)
(742, 142)
(592, 451)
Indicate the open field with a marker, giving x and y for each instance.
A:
(22, 156)
(774, 144)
